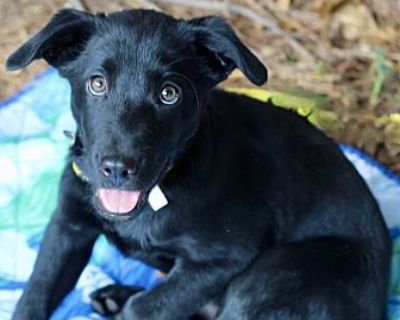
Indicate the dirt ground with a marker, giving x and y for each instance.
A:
(342, 54)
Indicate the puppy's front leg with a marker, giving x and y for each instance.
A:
(65, 250)
(187, 288)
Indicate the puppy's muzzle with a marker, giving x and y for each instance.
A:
(116, 173)
(118, 170)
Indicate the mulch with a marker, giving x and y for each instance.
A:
(345, 54)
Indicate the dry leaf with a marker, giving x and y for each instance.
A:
(354, 20)
(325, 7)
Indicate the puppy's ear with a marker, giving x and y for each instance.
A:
(60, 41)
(216, 39)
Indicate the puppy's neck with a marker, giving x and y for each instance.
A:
(199, 151)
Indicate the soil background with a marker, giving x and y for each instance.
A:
(342, 54)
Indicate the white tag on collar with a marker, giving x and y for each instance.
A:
(157, 199)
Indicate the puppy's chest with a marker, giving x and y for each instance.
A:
(142, 248)
(159, 244)
(149, 234)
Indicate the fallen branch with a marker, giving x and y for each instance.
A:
(147, 4)
(243, 11)
(76, 4)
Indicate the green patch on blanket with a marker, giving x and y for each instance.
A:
(34, 205)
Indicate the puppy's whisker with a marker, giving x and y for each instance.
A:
(148, 151)
(182, 59)
(192, 85)
(80, 129)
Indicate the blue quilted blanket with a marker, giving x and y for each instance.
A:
(32, 149)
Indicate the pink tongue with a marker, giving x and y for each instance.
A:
(118, 201)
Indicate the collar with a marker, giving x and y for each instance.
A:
(71, 136)
(78, 172)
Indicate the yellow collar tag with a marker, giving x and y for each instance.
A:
(78, 172)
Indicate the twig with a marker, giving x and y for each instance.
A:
(148, 5)
(77, 4)
(238, 9)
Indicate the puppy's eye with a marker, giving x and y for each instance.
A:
(170, 94)
(97, 85)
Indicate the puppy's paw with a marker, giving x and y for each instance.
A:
(110, 300)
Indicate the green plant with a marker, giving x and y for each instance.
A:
(381, 71)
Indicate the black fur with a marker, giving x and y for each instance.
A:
(265, 214)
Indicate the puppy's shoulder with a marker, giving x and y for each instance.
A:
(233, 104)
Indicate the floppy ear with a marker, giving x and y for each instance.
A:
(60, 41)
(215, 38)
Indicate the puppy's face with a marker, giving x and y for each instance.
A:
(139, 80)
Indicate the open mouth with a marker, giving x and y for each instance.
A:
(117, 201)
(122, 203)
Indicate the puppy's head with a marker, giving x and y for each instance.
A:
(138, 81)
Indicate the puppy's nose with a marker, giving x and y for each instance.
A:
(118, 169)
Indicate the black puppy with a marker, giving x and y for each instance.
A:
(264, 213)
